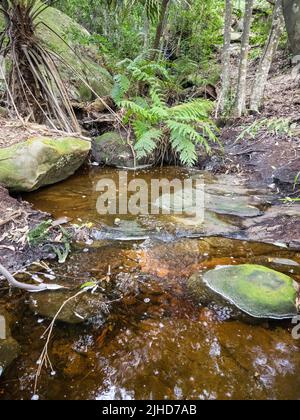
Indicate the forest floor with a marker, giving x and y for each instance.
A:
(267, 156)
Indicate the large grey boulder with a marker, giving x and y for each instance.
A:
(41, 161)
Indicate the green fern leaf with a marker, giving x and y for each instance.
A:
(121, 87)
(146, 144)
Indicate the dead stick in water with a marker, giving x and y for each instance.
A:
(24, 286)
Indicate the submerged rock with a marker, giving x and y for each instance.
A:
(9, 347)
(41, 161)
(83, 308)
(256, 290)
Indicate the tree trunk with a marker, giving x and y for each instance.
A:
(240, 100)
(291, 10)
(160, 27)
(267, 57)
(146, 33)
(225, 59)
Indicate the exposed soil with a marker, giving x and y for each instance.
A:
(268, 159)
(261, 158)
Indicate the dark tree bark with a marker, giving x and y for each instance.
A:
(160, 27)
(291, 10)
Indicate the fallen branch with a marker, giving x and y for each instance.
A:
(28, 287)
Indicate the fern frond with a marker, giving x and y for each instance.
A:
(140, 128)
(121, 87)
(184, 146)
(158, 114)
(137, 110)
(157, 96)
(147, 143)
(209, 133)
(180, 132)
(156, 69)
(196, 110)
(139, 100)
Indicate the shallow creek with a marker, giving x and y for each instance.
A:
(157, 342)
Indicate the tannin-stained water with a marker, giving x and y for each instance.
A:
(157, 343)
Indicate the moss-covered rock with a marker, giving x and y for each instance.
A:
(256, 290)
(41, 161)
(112, 150)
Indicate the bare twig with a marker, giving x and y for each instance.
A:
(44, 359)
(24, 286)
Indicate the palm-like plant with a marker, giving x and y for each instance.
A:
(34, 87)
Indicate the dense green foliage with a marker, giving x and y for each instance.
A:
(163, 55)
(125, 28)
(157, 126)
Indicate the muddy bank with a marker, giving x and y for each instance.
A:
(16, 220)
(28, 235)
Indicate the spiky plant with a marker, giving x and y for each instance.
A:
(35, 89)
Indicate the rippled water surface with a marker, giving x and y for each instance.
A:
(157, 342)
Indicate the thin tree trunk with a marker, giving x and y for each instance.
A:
(160, 27)
(240, 100)
(267, 57)
(225, 59)
(146, 33)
